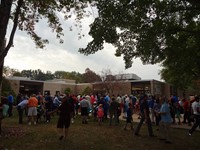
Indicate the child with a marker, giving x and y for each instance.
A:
(118, 113)
(95, 108)
(129, 118)
(100, 113)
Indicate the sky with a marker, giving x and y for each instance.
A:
(65, 57)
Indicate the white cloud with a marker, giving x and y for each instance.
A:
(65, 57)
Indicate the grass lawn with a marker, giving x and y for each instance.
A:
(89, 137)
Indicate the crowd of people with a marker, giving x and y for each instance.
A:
(160, 111)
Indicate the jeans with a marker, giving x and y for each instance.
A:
(148, 122)
(196, 123)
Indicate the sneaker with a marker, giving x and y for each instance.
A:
(189, 134)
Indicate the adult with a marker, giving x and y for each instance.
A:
(120, 101)
(10, 104)
(40, 107)
(63, 123)
(151, 101)
(84, 105)
(196, 113)
(48, 106)
(20, 108)
(144, 112)
(174, 107)
(3, 109)
(106, 106)
(113, 111)
(187, 111)
(129, 119)
(56, 101)
(39, 98)
(165, 121)
(32, 109)
(156, 108)
(72, 104)
(19, 98)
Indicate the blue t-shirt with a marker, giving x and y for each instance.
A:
(10, 99)
(151, 103)
(165, 117)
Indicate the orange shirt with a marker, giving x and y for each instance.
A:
(32, 102)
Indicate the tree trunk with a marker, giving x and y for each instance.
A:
(0, 126)
(1, 70)
(5, 9)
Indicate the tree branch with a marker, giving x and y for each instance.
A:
(10, 43)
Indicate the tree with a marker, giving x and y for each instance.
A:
(151, 30)
(156, 31)
(184, 72)
(87, 91)
(6, 88)
(7, 71)
(68, 91)
(107, 80)
(25, 14)
(69, 75)
(90, 76)
(37, 75)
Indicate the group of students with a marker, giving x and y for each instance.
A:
(104, 107)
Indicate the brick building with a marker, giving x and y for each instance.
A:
(154, 87)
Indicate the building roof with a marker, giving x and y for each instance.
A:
(127, 76)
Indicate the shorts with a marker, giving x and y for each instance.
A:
(32, 111)
(63, 123)
(84, 111)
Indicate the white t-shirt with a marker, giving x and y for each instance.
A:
(119, 99)
(195, 107)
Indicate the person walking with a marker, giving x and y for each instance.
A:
(129, 119)
(64, 119)
(144, 112)
(165, 121)
(196, 113)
